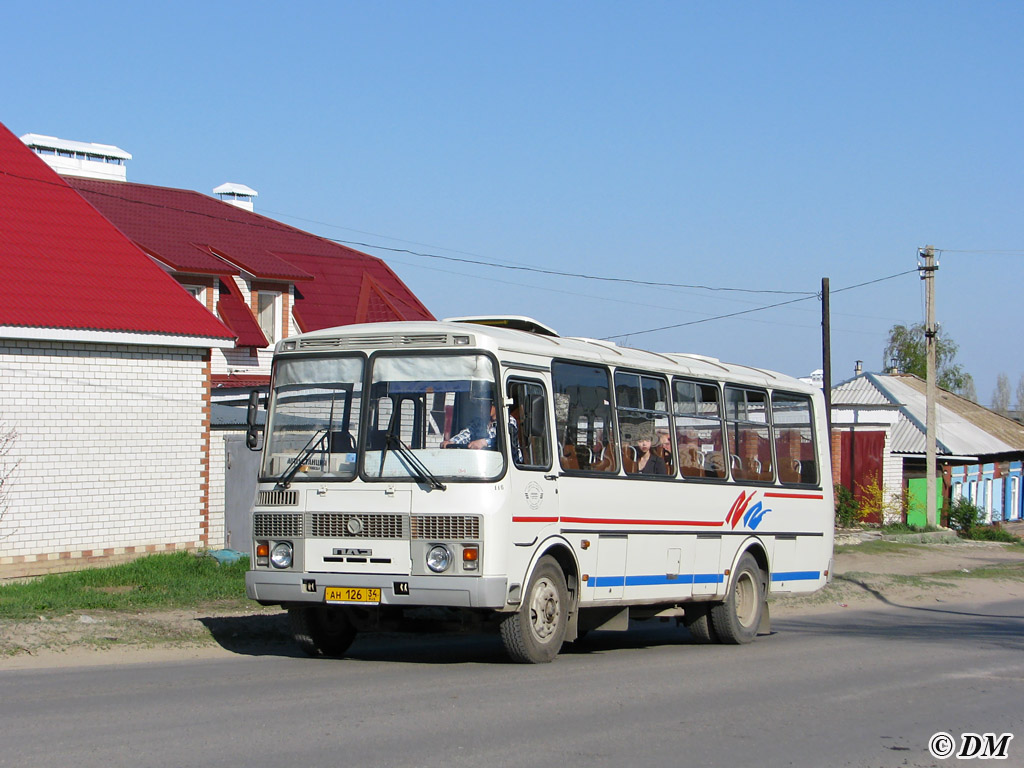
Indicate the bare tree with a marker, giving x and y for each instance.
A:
(1020, 395)
(7, 464)
(969, 392)
(1001, 397)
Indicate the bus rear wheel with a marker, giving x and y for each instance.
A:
(321, 631)
(534, 634)
(697, 620)
(736, 620)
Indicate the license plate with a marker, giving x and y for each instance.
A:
(364, 595)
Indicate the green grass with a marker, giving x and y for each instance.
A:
(986, 533)
(1011, 571)
(880, 547)
(904, 528)
(153, 583)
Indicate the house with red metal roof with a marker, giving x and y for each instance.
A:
(263, 279)
(105, 384)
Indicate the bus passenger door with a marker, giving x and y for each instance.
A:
(532, 476)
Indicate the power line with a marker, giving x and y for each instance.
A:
(579, 275)
(982, 251)
(476, 262)
(755, 309)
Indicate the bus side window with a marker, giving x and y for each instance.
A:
(528, 434)
(698, 418)
(584, 421)
(794, 438)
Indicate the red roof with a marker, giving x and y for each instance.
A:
(234, 312)
(62, 265)
(234, 381)
(193, 233)
(350, 287)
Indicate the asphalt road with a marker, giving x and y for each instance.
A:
(864, 688)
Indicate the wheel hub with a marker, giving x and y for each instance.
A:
(544, 609)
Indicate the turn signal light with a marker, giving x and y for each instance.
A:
(470, 557)
(262, 553)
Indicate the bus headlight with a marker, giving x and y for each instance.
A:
(281, 555)
(439, 558)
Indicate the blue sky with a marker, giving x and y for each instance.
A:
(759, 146)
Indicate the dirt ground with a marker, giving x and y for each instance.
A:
(864, 575)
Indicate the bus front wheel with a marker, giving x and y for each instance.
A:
(736, 620)
(534, 634)
(321, 631)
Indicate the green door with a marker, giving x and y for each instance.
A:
(917, 512)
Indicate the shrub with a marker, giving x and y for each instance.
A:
(875, 503)
(989, 533)
(848, 512)
(965, 517)
(902, 527)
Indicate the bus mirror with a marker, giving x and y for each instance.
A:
(252, 434)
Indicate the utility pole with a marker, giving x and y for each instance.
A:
(826, 356)
(928, 267)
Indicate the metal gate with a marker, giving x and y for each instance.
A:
(240, 472)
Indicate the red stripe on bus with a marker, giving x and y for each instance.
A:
(712, 523)
(534, 519)
(795, 495)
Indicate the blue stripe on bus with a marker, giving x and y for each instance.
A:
(796, 576)
(655, 580)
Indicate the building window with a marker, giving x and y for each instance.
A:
(197, 292)
(269, 314)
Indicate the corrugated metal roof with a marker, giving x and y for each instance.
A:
(963, 428)
(188, 231)
(858, 391)
(63, 266)
(239, 319)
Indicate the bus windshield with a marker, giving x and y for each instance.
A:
(432, 416)
(313, 429)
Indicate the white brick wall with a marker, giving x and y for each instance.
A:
(218, 467)
(110, 448)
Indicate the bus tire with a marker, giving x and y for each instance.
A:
(534, 634)
(736, 620)
(697, 620)
(321, 631)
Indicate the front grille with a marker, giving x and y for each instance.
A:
(377, 341)
(277, 499)
(445, 527)
(269, 525)
(353, 525)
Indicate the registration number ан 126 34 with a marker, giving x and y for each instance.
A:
(362, 595)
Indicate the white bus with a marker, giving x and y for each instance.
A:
(488, 472)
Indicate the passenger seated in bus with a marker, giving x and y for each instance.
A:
(480, 436)
(664, 450)
(648, 462)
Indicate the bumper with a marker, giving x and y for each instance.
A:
(279, 587)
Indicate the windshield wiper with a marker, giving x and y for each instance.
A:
(299, 459)
(413, 462)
